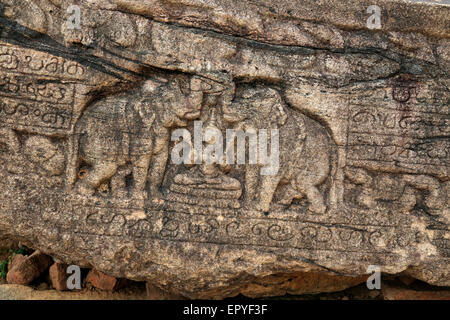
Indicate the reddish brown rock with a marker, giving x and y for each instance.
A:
(407, 280)
(300, 283)
(58, 276)
(391, 293)
(16, 260)
(103, 281)
(25, 269)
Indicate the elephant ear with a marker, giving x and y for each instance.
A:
(279, 114)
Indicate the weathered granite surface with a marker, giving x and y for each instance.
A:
(363, 116)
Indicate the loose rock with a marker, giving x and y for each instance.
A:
(25, 269)
(103, 281)
(58, 276)
(391, 293)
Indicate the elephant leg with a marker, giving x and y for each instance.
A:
(361, 177)
(289, 196)
(251, 183)
(157, 174)
(99, 173)
(434, 199)
(118, 185)
(158, 164)
(408, 199)
(140, 172)
(267, 189)
(315, 198)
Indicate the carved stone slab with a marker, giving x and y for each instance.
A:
(88, 115)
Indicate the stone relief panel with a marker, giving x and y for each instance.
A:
(86, 150)
(122, 145)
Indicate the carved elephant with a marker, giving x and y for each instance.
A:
(304, 149)
(134, 128)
